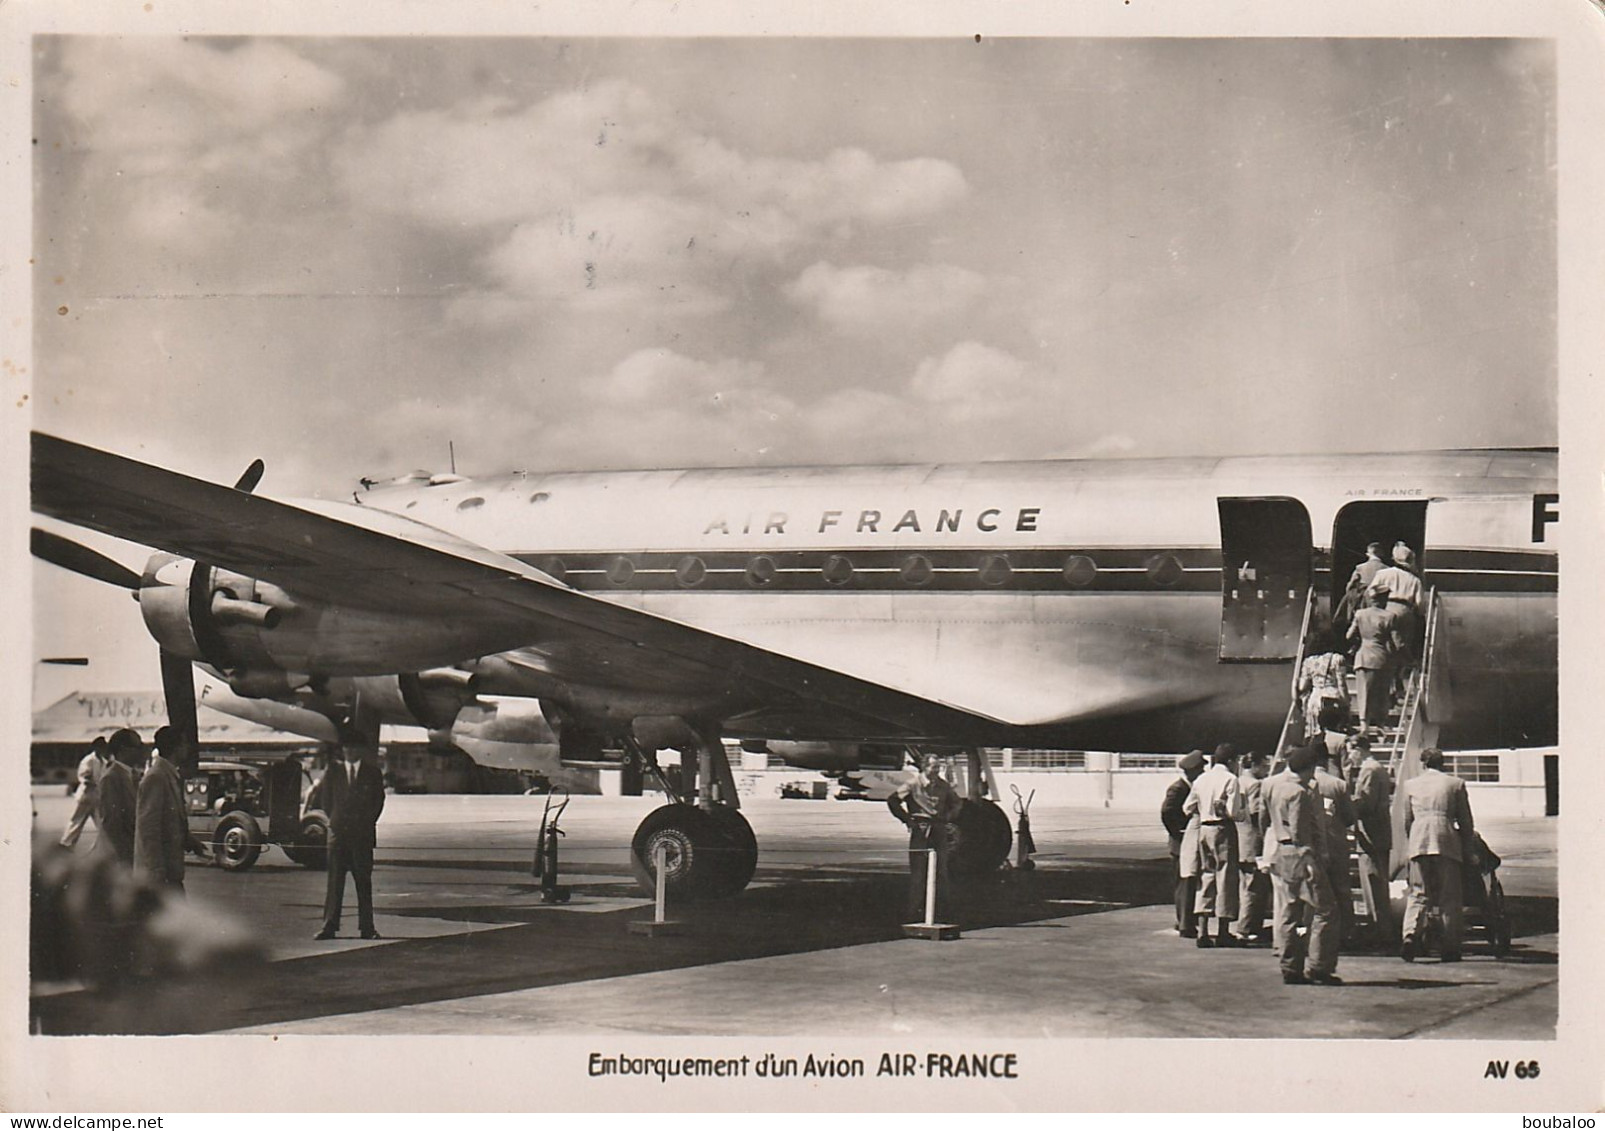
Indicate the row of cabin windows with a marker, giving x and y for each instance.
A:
(1078, 571)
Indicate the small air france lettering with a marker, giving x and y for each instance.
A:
(987, 520)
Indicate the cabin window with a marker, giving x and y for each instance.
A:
(994, 570)
(761, 572)
(556, 568)
(690, 572)
(838, 569)
(1164, 570)
(1080, 571)
(621, 570)
(916, 570)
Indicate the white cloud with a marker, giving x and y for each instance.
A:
(973, 375)
(606, 198)
(872, 300)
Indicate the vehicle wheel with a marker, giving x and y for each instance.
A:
(311, 847)
(237, 842)
(979, 841)
(709, 855)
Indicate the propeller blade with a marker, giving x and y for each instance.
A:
(178, 688)
(79, 558)
(252, 476)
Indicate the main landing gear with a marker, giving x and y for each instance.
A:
(709, 851)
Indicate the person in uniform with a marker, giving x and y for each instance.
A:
(161, 819)
(1254, 886)
(118, 804)
(1377, 631)
(91, 767)
(1336, 819)
(1216, 803)
(1183, 832)
(1372, 792)
(353, 797)
(1437, 819)
(1302, 895)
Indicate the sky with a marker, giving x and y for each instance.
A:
(342, 255)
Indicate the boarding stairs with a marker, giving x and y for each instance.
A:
(1410, 727)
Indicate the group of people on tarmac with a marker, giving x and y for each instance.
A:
(1251, 841)
(137, 801)
(1376, 628)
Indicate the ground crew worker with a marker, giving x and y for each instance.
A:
(1216, 803)
(1373, 831)
(1437, 819)
(927, 805)
(1254, 886)
(1183, 832)
(1302, 894)
(115, 811)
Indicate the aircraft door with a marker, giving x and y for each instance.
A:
(1266, 563)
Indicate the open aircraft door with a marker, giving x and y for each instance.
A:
(1265, 577)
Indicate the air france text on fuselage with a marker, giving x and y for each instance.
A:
(986, 520)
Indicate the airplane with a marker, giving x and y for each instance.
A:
(849, 615)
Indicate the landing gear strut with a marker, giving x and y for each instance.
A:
(711, 851)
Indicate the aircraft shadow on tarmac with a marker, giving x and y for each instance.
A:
(784, 912)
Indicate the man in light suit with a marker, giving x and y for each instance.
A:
(1183, 842)
(91, 768)
(161, 819)
(1303, 896)
(352, 794)
(1376, 628)
(1437, 819)
(1254, 886)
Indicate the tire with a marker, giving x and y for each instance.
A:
(979, 841)
(711, 855)
(236, 842)
(311, 847)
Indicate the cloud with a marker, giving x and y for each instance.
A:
(605, 197)
(869, 300)
(973, 376)
(160, 104)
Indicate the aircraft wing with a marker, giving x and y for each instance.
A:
(360, 556)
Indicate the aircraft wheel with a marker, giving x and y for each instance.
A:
(237, 842)
(709, 855)
(739, 851)
(311, 847)
(979, 841)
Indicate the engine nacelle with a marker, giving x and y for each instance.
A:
(836, 756)
(236, 623)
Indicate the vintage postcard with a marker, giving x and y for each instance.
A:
(943, 558)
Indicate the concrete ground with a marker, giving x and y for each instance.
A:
(1080, 947)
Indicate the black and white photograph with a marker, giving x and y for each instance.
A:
(765, 563)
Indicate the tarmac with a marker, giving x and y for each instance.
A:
(1082, 945)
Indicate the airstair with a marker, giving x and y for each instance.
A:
(1411, 726)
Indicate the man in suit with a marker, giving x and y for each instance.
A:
(1216, 803)
(1377, 631)
(1254, 886)
(1335, 818)
(352, 794)
(1437, 819)
(91, 768)
(118, 804)
(1359, 585)
(1303, 896)
(1183, 842)
(1373, 799)
(161, 819)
